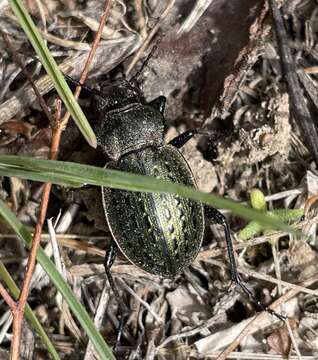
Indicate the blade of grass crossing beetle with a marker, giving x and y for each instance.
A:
(79, 311)
(60, 172)
(53, 71)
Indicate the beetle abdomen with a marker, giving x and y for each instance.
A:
(160, 233)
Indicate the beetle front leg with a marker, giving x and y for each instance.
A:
(159, 103)
(183, 138)
(220, 219)
(110, 256)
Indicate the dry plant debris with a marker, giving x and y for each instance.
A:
(218, 65)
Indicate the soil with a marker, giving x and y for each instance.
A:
(218, 64)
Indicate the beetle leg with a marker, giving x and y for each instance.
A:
(220, 219)
(183, 138)
(158, 103)
(87, 187)
(110, 256)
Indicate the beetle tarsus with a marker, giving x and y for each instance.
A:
(264, 307)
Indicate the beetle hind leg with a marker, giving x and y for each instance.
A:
(220, 219)
(110, 256)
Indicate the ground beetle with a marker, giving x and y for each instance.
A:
(160, 233)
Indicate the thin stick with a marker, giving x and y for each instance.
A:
(7, 298)
(293, 340)
(271, 279)
(249, 328)
(91, 54)
(19, 311)
(210, 322)
(144, 303)
(98, 319)
(150, 36)
(18, 61)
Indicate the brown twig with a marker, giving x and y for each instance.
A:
(309, 203)
(150, 36)
(141, 18)
(91, 54)
(298, 104)
(18, 311)
(18, 61)
(250, 327)
(7, 298)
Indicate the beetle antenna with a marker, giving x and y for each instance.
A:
(78, 83)
(145, 63)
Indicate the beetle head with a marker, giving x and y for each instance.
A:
(117, 95)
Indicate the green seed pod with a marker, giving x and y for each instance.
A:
(257, 199)
(253, 228)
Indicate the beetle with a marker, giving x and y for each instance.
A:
(158, 232)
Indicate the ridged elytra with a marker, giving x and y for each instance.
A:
(160, 233)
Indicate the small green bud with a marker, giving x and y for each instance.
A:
(257, 199)
(252, 229)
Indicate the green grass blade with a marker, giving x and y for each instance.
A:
(78, 309)
(53, 71)
(253, 228)
(4, 274)
(72, 174)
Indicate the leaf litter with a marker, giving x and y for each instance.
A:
(218, 65)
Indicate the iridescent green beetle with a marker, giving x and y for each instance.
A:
(160, 233)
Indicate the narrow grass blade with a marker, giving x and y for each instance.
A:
(72, 174)
(78, 309)
(53, 71)
(14, 290)
(254, 228)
